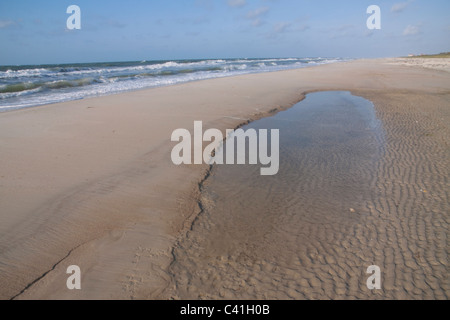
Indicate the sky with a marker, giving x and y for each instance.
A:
(35, 32)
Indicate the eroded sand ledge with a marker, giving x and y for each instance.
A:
(91, 182)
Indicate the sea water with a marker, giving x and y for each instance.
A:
(33, 85)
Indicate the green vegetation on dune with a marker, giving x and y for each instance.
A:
(440, 55)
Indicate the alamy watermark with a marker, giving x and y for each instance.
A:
(374, 281)
(74, 21)
(374, 21)
(74, 280)
(232, 151)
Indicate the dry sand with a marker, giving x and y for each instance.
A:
(429, 63)
(91, 183)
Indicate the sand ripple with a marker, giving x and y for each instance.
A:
(350, 193)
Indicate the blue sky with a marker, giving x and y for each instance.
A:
(35, 32)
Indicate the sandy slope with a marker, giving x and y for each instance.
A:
(91, 182)
(429, 63)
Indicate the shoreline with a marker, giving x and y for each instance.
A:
(409, 62)
(25, 105)
(122, 238)
(141, 90)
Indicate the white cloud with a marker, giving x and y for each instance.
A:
(256, 16)
(116, 24)
(399, 7)
(368, 33)
(284, 27)
(206, 4)
(346, 27)
(344, 31)
(257, 12)
(237, 3)
(194, 20)
(6, 23)
(281, 27)
(302, 28)
(258, 22)
(411, 30)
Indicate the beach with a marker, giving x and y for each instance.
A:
(91, 183)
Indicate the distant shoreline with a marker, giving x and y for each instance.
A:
(427, 56)
(34, 85)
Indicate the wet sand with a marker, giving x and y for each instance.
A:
(312, 230)
(91, 183)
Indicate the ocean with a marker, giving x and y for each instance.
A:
(34, 85)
